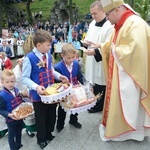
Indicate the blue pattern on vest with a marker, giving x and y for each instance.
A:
(62, 69)
(41, 76)
(11, 101)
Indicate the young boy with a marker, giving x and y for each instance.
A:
(71, 69)
(10, 99)
(37, 74)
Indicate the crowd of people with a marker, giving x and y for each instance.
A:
(117, 65)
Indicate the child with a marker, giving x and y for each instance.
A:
(71, 69)
(6, 63)
(27, 47)
(37, 74)
(10, 99)
(28, 44)
(29, 122)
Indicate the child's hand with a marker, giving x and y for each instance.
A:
(40, 89)
(11, 115)
(25, 93)
(64, 79)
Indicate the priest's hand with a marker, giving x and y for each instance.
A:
(85, 43)
(90, 52)
(94, 45)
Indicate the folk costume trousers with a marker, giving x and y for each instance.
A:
(45, 118)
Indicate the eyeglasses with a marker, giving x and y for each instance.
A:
(107, 14)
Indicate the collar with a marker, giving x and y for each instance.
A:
(67, 66)
(8, 90)
(38, 54)
(123, 18)
(120, 23)
(101, 23)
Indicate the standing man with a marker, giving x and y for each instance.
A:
(99, 31)
(127, 66)
(6, 49)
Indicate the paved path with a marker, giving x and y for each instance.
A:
(86, 138)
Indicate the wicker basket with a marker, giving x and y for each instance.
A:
(23, 105)
(50, 99)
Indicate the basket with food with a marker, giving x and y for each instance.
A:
(80, 99)
(23, 110)
(55, 93)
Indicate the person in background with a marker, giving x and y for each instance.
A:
(10, 98)
(54, 41)
(6, 63)
(100, 30)
(30, 124)
(80, 60)
(5, 48)
(28, 44)
(127, 66)
(10, 42)
(20, 52)
(37, 74)
(70, 68)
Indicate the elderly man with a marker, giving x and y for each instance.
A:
(99, 31)
(127, 66)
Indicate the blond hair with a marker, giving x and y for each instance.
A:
(28, 44)
(68, 47)
(7, 72)
(41, 36)
(3, 54)
(96, 3)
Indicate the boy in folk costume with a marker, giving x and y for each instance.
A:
(126, 62)
(37, 74)
(69, 67)
(10, 98)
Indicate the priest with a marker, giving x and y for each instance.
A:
(126, 59)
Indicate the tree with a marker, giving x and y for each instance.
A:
(1, 18)
(144, 7)
(131, 3)
(70, 9)
(29, 12)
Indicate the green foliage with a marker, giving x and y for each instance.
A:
(36, 6)
(144, 7)
(46, 5)
(141, 6)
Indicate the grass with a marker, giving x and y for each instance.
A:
(46, 5)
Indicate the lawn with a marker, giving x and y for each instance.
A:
(46, 5)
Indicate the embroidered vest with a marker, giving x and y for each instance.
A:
(72, 76)
(11, 101)
(40, 75)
